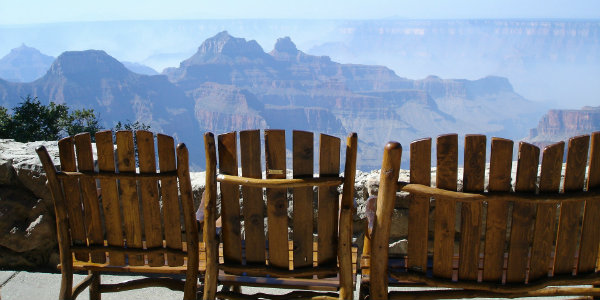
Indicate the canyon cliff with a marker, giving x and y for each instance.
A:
(231, 83)
(561, 124)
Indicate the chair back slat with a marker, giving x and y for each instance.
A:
(73, 197)
(110, 196)
(150, 197)
(328, 205)
(570, 212)
(420, 173)
(230, 199)
(473, 182)
(545, 220)
(497, 211)
(129, 195)
(303, 164)
(170, 200)
(590, 234)
(446, 176)
(277, 202)
(93, 220)
(523, 214)
(254, 206)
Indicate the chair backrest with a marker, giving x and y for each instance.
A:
(539, 228)
(270, 254)
(126, 202)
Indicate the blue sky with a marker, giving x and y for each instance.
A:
(44, 11)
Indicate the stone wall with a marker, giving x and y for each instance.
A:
(27, 223)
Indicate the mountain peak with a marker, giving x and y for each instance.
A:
(24, 64)
(285, 45)
(225, 48)
(94, 63)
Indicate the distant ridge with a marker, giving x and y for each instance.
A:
(24, 64)
(231, 83)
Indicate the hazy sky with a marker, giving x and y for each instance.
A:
(44, 11)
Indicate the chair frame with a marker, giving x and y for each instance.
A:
(531, 266)
(217, 272)
(75, 251)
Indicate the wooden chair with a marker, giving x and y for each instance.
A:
(117, 219)
(533, 239)
(276, 261)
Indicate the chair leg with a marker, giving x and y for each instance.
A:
(95, 293)
(66, 284)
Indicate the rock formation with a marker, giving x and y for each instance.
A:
(232, 84)
(561, 124)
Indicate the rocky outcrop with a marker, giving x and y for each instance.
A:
(558, 125)
(27, 223)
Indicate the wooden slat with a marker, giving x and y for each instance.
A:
(345, 255)
(110, 196)
(191, 226)
(497, 211)
(253, 198)
(276, 199)
(327, 216)
(523, 214)
(170, 201)
(210, 211)
(420, 173)
(473, 181)
(388, 186)
(73, 197)
(93, 221)
(590, 236)
(570, 213)
(230, 199)
(129, 195)
(62, 228)
(303, 161)
(150, 196)
(446, 178)
(545, 220)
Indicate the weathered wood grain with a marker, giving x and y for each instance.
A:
(329, 165)
(276, 199)
(93, 221)
(473, 181)
(497, 212)
(523, 214)
(545, 220)
(303, 162)
(110, 197)
(253, 198)
(446, 178)
(420, 173)
(230, 199)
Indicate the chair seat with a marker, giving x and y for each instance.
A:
(305, 283)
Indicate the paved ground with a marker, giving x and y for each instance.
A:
(23, 285)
